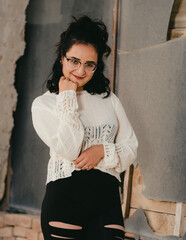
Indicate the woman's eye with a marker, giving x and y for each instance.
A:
(90, 64)
(75, 62)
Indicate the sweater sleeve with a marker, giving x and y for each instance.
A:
(123, 152)
(59, 128)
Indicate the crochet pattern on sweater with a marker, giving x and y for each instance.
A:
(71, 122)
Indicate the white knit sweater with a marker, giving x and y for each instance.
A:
(71, 122)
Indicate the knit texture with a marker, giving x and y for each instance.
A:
(71, 122)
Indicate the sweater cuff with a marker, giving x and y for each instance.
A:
(66, 104)
(110, 156)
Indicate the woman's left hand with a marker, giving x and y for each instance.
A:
(89, 158)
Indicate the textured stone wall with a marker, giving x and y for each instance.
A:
(178, 19)
(20, 227)
(12, 45)
(151, 85)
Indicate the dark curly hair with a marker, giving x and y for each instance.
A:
(85, 31)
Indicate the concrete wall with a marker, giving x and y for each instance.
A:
(143, 23)
(46, 20)
(151, 85)
(12, 45)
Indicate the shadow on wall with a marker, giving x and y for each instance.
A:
(45, 22)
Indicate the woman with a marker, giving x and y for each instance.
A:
(90, 138)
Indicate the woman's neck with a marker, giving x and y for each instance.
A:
(79, 89)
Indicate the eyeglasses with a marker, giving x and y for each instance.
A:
(75, 64)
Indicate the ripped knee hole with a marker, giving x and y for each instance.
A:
(64, 225)
(115, 226)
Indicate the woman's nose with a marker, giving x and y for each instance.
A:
(81, 69)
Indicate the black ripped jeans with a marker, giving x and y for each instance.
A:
(88, 200)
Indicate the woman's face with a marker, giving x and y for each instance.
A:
(85, 54)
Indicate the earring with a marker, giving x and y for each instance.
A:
(60, 61)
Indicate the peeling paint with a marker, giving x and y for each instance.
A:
(12, 46)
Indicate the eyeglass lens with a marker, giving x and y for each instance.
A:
(75, 64)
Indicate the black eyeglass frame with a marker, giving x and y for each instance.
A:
(68, 59)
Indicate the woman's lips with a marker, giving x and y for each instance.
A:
(79, 78)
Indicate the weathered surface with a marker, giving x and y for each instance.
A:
(143, 23)
(45, 12)
(29, 153)
(178, 16)
(20, 226)
(152, 87)
(12, 21)
(138, 225)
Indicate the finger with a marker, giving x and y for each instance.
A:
(62, 78)
(76, 83)
(67, 79)
(86, 167)
(73, 82)
(89, 168)
(78, 160)
(81, 164)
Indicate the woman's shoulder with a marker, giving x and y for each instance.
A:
(114, 99)
(47, 99)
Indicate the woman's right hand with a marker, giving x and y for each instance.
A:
(67, 84)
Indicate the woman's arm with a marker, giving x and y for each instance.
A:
(123, 152)
(118, 155)
(90, 157)
(62, 131)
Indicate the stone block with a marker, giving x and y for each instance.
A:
(41, 236)
(19, 231)
(18, 219)
(1, 219)
(36, 224)
(178, 17)
(143, 23)
(6, 232)
(31, 234)
(9, 238)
